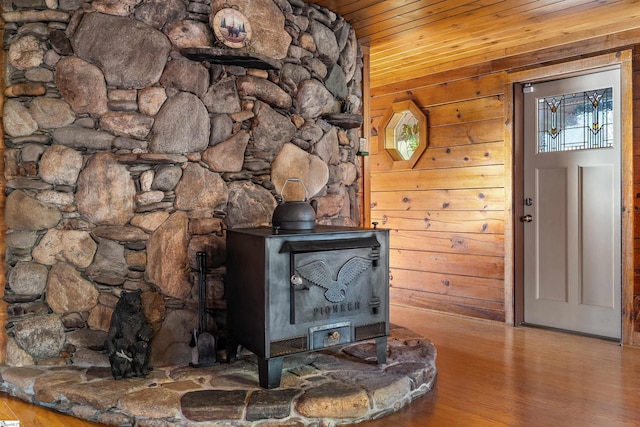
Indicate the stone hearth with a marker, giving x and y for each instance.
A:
(326, 388)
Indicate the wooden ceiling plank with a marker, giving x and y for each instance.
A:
(535, 17)
(467, 14)
(385, 33)
(409, 39)
(581, 32)
(555, 27)
(526, 55)
(344, 8)
(373, 15)
(484, 26)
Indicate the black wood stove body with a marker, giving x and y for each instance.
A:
(295, 291)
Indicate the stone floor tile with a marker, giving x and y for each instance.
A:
(419, 373)
(83, 411)
(102, 394)
(200, 406)
(330, 363)
(45, 389)
(333, 400)
(385, 388)
(396, 389)
(98, 372)
(157, 402)
(304, 370)
(22, 377)
(414, 349)
(114, 419)
(276, 403)
(183, 386)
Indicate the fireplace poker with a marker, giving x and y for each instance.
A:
(205, 342)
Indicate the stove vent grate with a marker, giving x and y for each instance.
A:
(373, 330)
(289, 346)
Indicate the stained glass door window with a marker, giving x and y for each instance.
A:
(576, 121)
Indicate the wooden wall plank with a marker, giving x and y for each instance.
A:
(445, 93)
(471, 177)
(453, 263)
(466, 111)
(458, 134)
(448, 242)
(461, 112)
(365, 176)
(635, 309)
(451, 304)
(466, 133)
(629, 315)
(488, 199)
(463, 156)
(449, 221)
(451, 157)
(448, 284)
(431, 79)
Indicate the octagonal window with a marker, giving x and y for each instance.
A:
(404, 133)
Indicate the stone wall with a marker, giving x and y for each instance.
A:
(125, 156)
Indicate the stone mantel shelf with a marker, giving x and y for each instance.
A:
(344, 120)
(231, 57)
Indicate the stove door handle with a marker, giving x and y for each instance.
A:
(297, 283)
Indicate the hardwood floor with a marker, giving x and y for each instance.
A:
(12, 409)
(489, 374)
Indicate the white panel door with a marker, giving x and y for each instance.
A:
(572, 204)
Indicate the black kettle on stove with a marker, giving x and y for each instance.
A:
(297, 215)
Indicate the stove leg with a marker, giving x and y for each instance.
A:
(232, 350)
(381, 350)
(270, 372)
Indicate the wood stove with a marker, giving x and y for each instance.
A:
(296, 291)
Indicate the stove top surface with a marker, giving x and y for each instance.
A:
(318, 229)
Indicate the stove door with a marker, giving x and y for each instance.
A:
(334, 281)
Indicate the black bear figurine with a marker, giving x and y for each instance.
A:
(127, 341)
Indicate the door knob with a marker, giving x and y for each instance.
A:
(526, 218)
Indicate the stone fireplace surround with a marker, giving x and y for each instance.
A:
(125, 156)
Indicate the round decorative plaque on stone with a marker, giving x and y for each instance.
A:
(232, 28)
